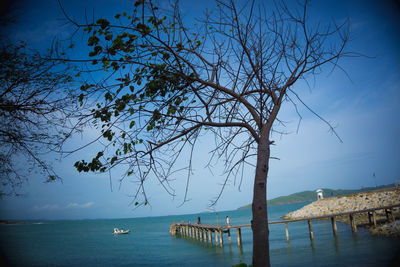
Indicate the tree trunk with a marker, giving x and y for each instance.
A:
(259, 223)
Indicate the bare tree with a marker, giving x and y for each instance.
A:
(164, 84)
(34, 106)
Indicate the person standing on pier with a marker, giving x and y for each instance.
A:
(198, 220)
(227, 221)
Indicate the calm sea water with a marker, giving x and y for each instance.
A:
(90, 243)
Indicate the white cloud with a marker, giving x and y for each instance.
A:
(46, 207)
(80, 206)
(73, 205)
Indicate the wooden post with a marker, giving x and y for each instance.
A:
(390, 212)
(229, 236)
(353, 224)
(334, 227)
(216, 237)
(221, 238)
(370, 217)
(387, 214)
(374, 217)
(239, 236)
(191, 232)
(201, 234)
(287, 232)
(197, 233)
(209, 237)
(310, 229)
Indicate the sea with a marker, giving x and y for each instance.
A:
(91, 243)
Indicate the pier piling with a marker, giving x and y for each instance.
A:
(374, 217)
(389, 215)
(311, 231)
(287, 232)
(353, 223)
(239, 237)
(334, 226)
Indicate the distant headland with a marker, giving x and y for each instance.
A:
(8, 222)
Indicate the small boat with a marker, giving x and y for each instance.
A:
(120, 231)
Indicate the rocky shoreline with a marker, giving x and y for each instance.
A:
(355, 202)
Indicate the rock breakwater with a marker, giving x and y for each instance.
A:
(353, 202)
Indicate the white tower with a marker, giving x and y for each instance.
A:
(319, 194)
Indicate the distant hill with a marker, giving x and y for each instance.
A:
(312, 195)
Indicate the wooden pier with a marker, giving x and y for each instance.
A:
(204, 232)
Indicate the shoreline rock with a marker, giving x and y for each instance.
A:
(391, 229)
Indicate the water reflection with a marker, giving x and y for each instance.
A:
(336, 242)
(312, 246)
(240, 249)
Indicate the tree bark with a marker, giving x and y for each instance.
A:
(259, 222)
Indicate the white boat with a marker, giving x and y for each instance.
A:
(120, 231)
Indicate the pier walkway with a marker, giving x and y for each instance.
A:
(204, 232)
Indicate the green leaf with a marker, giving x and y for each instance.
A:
(93, 40)
(139, 2)
(103, 23)
(81, 99)
(108, 96)
(108, 37)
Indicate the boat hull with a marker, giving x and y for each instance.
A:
(122, 232)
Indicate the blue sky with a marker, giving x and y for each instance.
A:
(365, 109)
